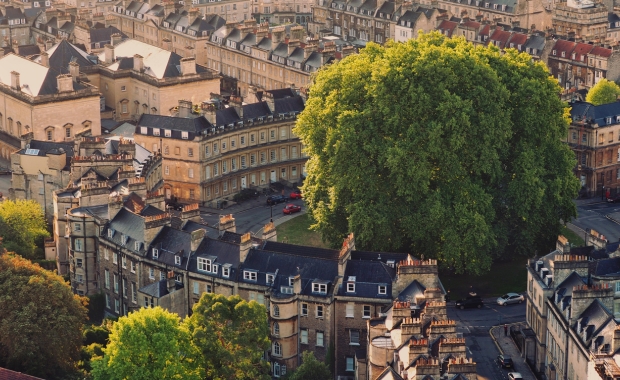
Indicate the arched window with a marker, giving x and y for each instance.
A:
(276, 328)
(19, 128)
(276, 311)
(277, 349)
(10, 121)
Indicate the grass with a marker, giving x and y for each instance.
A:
(572, 237)
(504, 277)
(296, 231)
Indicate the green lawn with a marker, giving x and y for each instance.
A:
(296, 231)
(572, 237)
(503, 277)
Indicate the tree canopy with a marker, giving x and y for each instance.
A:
(148, 344)
(310, 369)
(603, 92)
(22, 226)
(439, 148)
(232, 335)
(40, 319)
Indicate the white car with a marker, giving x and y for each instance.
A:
(515, 376)
(509, 298)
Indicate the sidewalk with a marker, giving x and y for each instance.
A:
(506, 346)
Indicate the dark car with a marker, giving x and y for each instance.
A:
(295, 195)
(470, 302)
(291, 209)
(275, 199)
(505, 361)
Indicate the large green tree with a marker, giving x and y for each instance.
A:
(440, 148)
(232, 335)
(603, 92)
(22, 226)
(40, 319)
(148, 344)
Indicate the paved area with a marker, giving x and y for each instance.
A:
(506, 346)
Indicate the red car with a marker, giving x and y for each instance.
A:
(291, 209)
(295, 195)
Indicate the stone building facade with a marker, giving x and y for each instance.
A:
(213, 156)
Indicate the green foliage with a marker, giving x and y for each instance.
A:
(331, 357)
(311, 369)
(443, 149)
(96, 334)
(148, 344)
(96, 307)
(23, 227)
(232, 335)
(603, 92)
(40, 319)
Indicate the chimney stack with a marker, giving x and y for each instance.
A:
(278, 34)
(185, 108)
(108, 53)
(74, 70)
(45, 59)
(64, 83)
(193, 14)
(188, 66)
(15, 85)
(116, 39)
(237, 103)
(209, 110)
(292, 45)
(268, 97)
(138, 63)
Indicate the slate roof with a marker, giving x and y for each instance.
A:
(159, 288)
(564, 292)
(535, 42)
(368, 276)
(287, 265)
(591, 321)
(219, 252)
(28, 50)
(389, 374)
(608, 267)
(177, 125)
(287, 105)
(596, 114)
(61, 54)
(171, 242)
(411, 292)
(50, 147)
(129, 224)
(103, 36)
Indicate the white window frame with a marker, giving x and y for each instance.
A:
(250, 275)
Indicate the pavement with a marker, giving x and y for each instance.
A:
(507, 346)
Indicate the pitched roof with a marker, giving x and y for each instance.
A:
(128, 224)
(61, 54)
(601, 51)
(563, 46)
(33, 76)
(368, 276)
(171, 242)
(301, 250)
(177, 125)
(7, 374)
(104, 35)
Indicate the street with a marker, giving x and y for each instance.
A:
(253, 219)
(475, 325)
(592, 215)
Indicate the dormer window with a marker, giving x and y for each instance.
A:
(167, 132)
(204, 265)
(124, 239)
(155, 253)
(382, 289)
(137, 245)
(184, 135)
(608, 120)
(177, 260)
(249, 275)
(269, 278)
(110, 233)
(144, 130)
(226, 271)
(319, 288)
(554, 52)
(291, 280)
(155, 131)
(563, 54)
(350, 287)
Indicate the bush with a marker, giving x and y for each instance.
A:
(96, 306)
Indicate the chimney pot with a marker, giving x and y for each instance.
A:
(15, 85)
(45, 59)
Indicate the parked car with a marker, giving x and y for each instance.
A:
(291, 209)
(614, 199)
(509, 298)
(470, 302)
(505, 361)
(295, 195)
(275, 199)
(515, 376)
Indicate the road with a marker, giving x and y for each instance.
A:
(253, 219)
(475, 325)
(592, 215)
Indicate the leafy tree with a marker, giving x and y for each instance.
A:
(310, 369)
(232, 335)
(148, 344)
(22, 224)
(603, 92)
(439, 148)
(40, 319)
